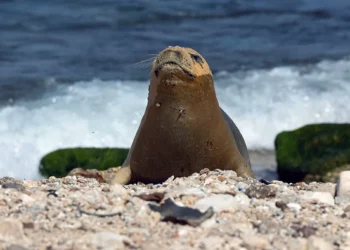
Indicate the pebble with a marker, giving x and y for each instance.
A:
(193, 191)
(110, 240)
(281, 205)
(213, 242)
(322, 197)
(14, 185)
(255, 241)
(261, 191)
(117, 189)
(343, 185)
(27, 200)
(241, 186)
(294, 206)
(222, 202)
(323, 187)
(297, 243)
(11, 230)
(317, 243)
(219, 203)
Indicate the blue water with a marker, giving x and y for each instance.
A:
(69, 72)
(80, 40)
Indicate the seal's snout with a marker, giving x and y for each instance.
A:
(169, 53)
(172, 59)
(177, 58)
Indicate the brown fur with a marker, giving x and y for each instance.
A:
(183, 129)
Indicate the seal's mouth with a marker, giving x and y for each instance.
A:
(159, 68)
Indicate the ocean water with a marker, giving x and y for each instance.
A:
(69, 72)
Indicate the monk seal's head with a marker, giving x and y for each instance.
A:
(176, 70)
(187, 60)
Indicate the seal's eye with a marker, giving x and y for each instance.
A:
(197, 58)
(156, 72)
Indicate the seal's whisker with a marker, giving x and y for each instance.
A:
(148, 65)
(144, 61)
(141, 65)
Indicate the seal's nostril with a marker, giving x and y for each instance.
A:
(172, 54)
(178, 54)
(167, 52)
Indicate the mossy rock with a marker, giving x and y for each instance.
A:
(60, 162)
(313, 152)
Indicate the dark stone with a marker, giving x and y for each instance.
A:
(52, 192)
(28, 225)
(6, 179)
(266, 182)
(260, 191)
(303, 230)
(16, 186)
(182, 215)
(281, 205)
(9, 182)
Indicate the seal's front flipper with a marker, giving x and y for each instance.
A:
(121, 175)
(245, 171)
(116, 175)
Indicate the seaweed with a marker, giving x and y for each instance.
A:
(60, 162)
(314, 149)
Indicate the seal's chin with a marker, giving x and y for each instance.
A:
(170, 66)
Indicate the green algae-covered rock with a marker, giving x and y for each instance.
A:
(60, 162)
(313, 153)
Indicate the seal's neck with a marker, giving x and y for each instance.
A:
(176, 89)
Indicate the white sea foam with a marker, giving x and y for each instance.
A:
(107, 113)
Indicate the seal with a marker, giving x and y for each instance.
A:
(183, 129)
